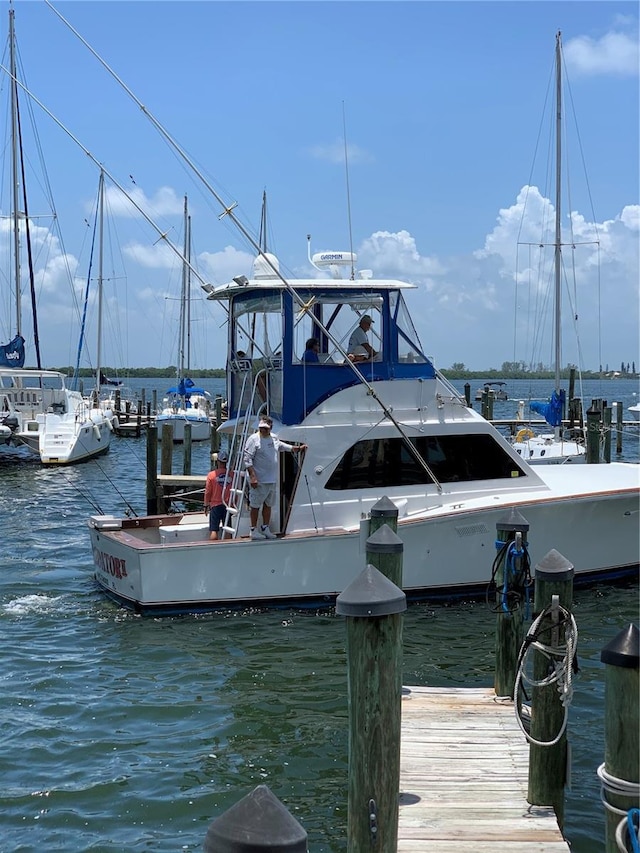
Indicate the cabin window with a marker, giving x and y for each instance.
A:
(340, 318)
(409, 348)
(387, 462)
(255, 365)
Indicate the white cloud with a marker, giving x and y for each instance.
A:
(396, 255)
(614, 53)
(156, 256)
(220, 267)
(464, 307)
(164, 202)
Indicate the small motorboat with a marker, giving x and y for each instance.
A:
(495, 388)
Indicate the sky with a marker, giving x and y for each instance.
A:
(443, 110)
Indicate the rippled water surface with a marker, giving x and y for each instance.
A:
(122, 733)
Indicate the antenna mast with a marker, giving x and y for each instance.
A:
(346, 165)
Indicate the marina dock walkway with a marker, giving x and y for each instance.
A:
(464, 777)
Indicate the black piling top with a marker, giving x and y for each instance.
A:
(384, 508)
(371, 594)
(623, 650)
(553, 566)
(512, 521)
(258, 822)
(384, 541)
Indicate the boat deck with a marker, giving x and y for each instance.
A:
(464, 777)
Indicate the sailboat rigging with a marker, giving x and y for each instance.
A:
(554, 448)
(185, 403)
(40, 417)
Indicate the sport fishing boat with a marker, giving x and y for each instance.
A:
(391, 426)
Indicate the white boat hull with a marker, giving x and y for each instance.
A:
(63, 442)
(200, 426)
(448, 551)
(547, 450)
(50, 421)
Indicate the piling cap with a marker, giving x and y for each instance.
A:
(553, 566)
(623, 650)
(384, 508)
(257, 822)
(384, 541)
(512, 521)
(371, 594)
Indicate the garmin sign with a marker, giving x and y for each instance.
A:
(330, 258)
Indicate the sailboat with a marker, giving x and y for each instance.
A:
(184, 403)
(40, 416)
(553, 447)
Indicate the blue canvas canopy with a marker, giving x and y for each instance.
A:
(552, 410)
(185, 388)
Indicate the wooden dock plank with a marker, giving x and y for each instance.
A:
(464, 777)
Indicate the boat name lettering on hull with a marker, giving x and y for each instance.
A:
(110, 565)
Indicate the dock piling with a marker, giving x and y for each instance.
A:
(620, 772)
(382, 512)
(549, 706)
(606, 423)
(257, 822)
(619, 426)
(384, 551)
(593, 434)
(186, 450)
(511, 577)
(374, 608)
(152, 470)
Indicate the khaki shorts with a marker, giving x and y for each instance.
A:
(263, 493)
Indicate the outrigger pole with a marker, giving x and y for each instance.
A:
(227, 210)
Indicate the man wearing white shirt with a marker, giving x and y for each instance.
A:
(359, 348)
(261, 461)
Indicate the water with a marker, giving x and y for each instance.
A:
(122, 733)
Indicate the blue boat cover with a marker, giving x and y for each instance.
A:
(13, 354)
(186, 387)
(551, 411)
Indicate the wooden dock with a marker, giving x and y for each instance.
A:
(464, 777)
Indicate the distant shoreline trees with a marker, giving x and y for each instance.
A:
(509, 370)
(517, 370)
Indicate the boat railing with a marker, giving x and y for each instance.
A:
(455, 394)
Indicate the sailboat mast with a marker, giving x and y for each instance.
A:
(183, 298)
(558, 235)
(100, 278)
(188, 289)
(14, 170)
